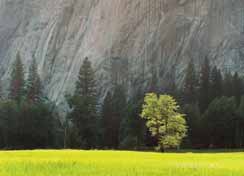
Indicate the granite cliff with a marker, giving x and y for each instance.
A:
(149, 39)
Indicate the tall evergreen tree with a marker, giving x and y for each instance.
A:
(237, 87)
(1, 91)
(120, 107)
(190, 84)
(9, 124)
(113, 115)
(86, 84)
(83, 105)
(153, 82)
(17, 84)
(133, 130)
(35, 125)
(204, 85)
(227, 85)
(216, 82)
(193, 119)
(219, 121)
(108, 122)
(33, 84)
(240, 127)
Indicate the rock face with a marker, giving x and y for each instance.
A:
(154, 38)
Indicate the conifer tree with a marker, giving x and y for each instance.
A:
(108, 122)
(153, 82)
(133, 130)
(237, 87)
(86, 84)
(215, 84)
(190, 84)
(240, 127)
(33, 84)
(83, 105)
(204, 85)
(227, 84)
(17, 84)
(219, 122)
(193, 119)
(1, 91)
(119, 109)
(113, 114)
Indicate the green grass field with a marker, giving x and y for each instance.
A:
(115, 163)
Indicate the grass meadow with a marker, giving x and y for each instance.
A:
(119, 163)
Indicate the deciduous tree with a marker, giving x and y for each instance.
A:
(164, 120)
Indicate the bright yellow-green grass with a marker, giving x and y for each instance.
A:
(115, 163)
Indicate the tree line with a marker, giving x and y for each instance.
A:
(26, 117)
(214, 104)
(210, 99)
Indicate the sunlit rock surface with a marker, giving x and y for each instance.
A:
(155, 38)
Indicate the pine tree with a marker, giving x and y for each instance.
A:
(193, 117)
(133, 130)
(219, 122)
(108, 122)
(17, 84)
(204, 85)
(190, 84)
(1, 91)
(153, 82)
(83, 105)
(240, 127)
(86, 84)
(216, 82)
(9, 126)
(120, 107)
(237, 87)
(227, 85)
(113, 115)
(33, 84)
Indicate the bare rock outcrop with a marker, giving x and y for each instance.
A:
(155, 38)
